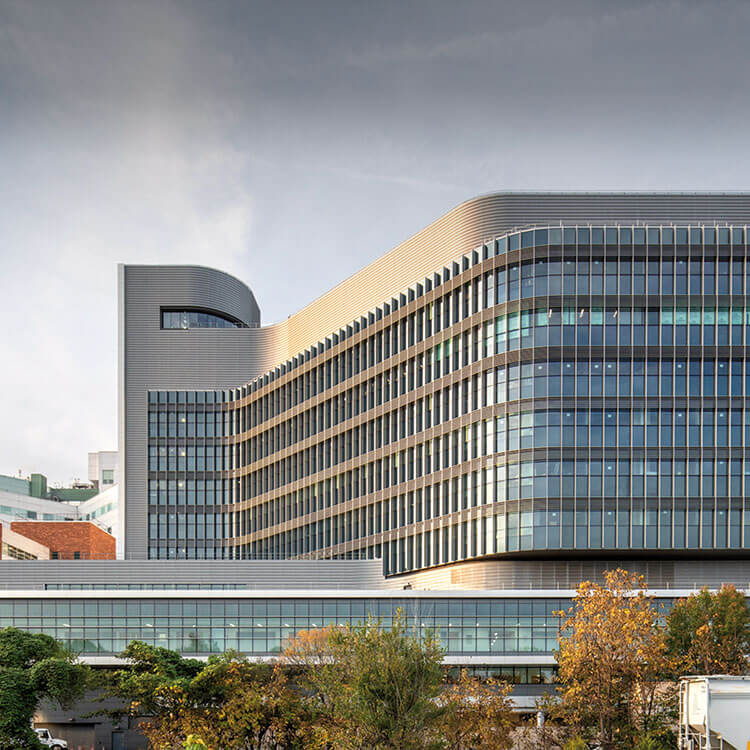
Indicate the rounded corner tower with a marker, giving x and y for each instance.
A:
(179, 327)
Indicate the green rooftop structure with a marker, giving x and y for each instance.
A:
(38, 485)
(16, 485)
(71, 494)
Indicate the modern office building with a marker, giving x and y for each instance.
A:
(36, 486)
(530, 376)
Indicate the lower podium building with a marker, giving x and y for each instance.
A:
(97, 607)
(531, 390)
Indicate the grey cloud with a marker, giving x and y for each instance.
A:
(292, 142)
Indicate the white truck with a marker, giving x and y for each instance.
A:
(715, 713)
(49, 741)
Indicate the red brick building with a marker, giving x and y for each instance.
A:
(69, 540)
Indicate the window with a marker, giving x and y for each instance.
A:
(54, 555)
(175, 319)
(9, 552)
(108, 476)
(76, 555)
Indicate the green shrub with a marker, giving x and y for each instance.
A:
(663, 740)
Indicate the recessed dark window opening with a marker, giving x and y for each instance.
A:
(186, 319)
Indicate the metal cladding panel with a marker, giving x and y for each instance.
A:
(152, 358)
(257, 574)
(712, 573)
(567, 574)
(532, 576)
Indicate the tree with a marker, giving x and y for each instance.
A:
(552, 733)
(308, 659)
(148, 669)
(152, 687)
(710, 632)
(228, 702)
(477, 713)
(195, 743)
(372, 687)
(33, 666)
(612, 655)
(241, 705)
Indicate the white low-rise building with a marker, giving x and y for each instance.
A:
(15, 546)
(102, 510)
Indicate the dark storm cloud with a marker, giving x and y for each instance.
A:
(292, 142)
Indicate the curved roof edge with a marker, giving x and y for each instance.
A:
(467, 226)
(457, 232)
(245, 307)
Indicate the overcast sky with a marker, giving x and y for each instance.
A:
(290, 143)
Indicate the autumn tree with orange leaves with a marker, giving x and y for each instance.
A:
(229, 703)
(611, 660)
(478, 713)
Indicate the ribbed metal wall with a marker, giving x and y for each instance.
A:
(153, 359)
(357, 575)
(255, 574)
(567, 574)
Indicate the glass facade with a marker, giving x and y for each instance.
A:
(562, 388)
(514, 675)
(23, 513)
(104, 626)
(197, 319)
